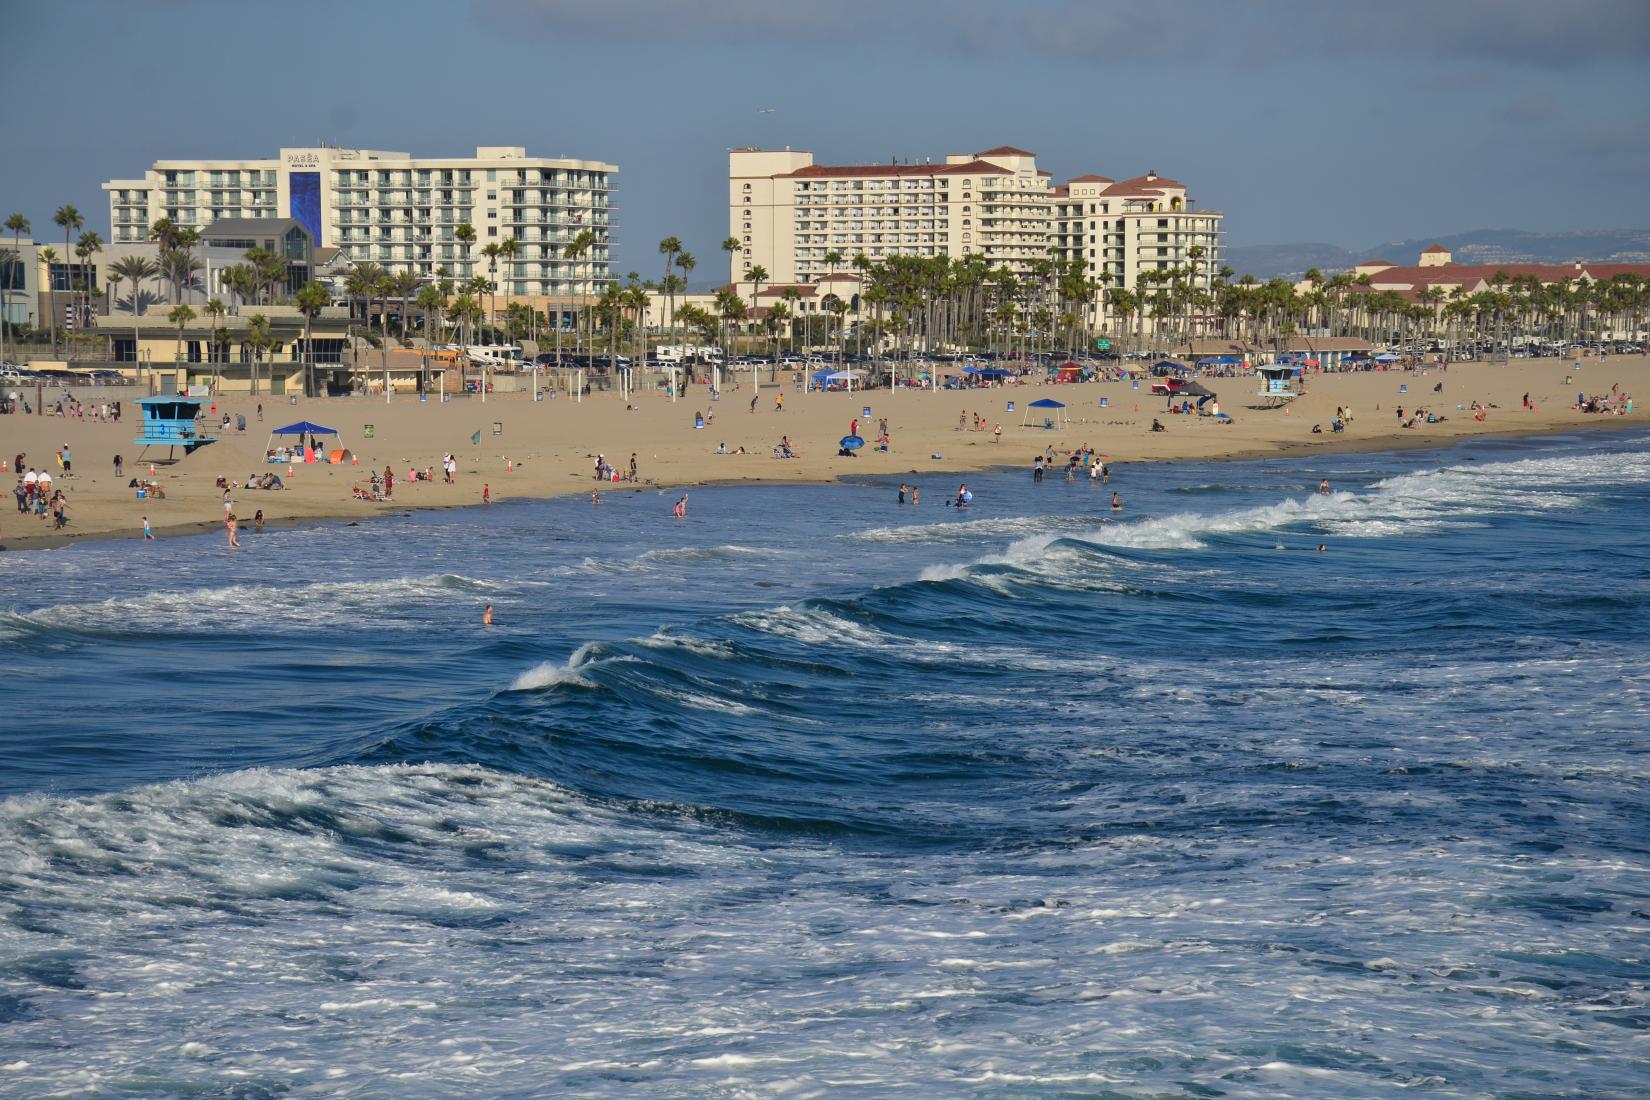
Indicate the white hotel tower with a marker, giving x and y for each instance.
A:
(398, 210)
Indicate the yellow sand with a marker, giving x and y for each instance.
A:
(552, 445)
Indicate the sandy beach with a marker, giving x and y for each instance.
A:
(529, 449)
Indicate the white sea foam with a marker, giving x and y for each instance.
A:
(264, 607)
(551, 674)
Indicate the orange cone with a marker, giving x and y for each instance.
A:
(151, 469)
(509, 466)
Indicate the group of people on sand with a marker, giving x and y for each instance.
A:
(1614, 403)
(36, 496)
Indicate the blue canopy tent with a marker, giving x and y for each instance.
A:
(1220, 361)
(1168, 366)
(307, 428)
(1056, 408)
(995, 372)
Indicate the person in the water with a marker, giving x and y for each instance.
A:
(1116, 503)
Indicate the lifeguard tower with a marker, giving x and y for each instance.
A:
(1277, 384)
(171, 422)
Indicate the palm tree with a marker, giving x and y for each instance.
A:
(215, 309)
(136, 270)
(792, 297)
(48, 257)
(465, 234)
(407, 283)
(575, 250)
(731, 247)
(259, 338)
(669, 248)
(180, 266)
(311, 299)
(431, 299)
(491, 252)
(88, 245)
(18, 225)
(508, 249)
(180, 316)
(839, 308)
(69, 219)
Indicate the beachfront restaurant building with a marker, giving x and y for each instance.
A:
(216, 356)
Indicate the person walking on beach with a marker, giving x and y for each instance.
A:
(754, 396)
(230, 526)
(779, 402)
(148, 535)
(120, 466)
(632, 465)
(486, 493)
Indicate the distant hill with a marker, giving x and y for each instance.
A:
(1480, 246)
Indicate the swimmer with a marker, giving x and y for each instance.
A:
(487, 616)
(1116, 503)
(1323, 487)
(1322, 547)
(595, 496)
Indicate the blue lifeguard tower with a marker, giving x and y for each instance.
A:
(171, 422)
(1277, 384)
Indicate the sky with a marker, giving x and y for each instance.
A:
(1350, 123)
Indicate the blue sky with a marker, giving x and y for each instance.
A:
(1303, 120)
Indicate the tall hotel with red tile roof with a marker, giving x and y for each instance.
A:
(791, 215)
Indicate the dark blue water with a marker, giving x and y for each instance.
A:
(815, 795)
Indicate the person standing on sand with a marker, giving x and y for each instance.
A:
(68, 462)
(260, 412)
(120, 466)
(486, 493)
(632, 465)
(754, 396)
(230, 527)
(389, 483)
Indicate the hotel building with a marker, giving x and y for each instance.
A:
(789, 214)
(397, 210)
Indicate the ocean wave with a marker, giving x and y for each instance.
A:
(261, 607)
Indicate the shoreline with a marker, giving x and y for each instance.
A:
(1324, 444)
(521, 449)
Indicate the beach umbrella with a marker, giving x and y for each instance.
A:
(851, 442)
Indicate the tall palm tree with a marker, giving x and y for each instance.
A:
(86, 246)
(180, 316)
(431, 299)
(48, 257)
(215, 309)
(508, 249)
(465, 234)
(136, 270)
(792, 297)
(181, 266)
(70, 221)
(758, 275)
(18, 225)
(259, 339)
(490, 251)
(575, 250)
(407, 283)
(310, 300)
(669, 248)
(731, 247)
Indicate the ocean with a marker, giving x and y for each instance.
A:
(811, 794)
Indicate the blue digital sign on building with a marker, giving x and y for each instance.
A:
(305, 189)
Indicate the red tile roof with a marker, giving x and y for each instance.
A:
(1152, 179)
(1434, 248)
(1092, 178)
(1005, 151)
(1610, 271)
(1130, 189)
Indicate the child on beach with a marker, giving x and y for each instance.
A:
(147, 533)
